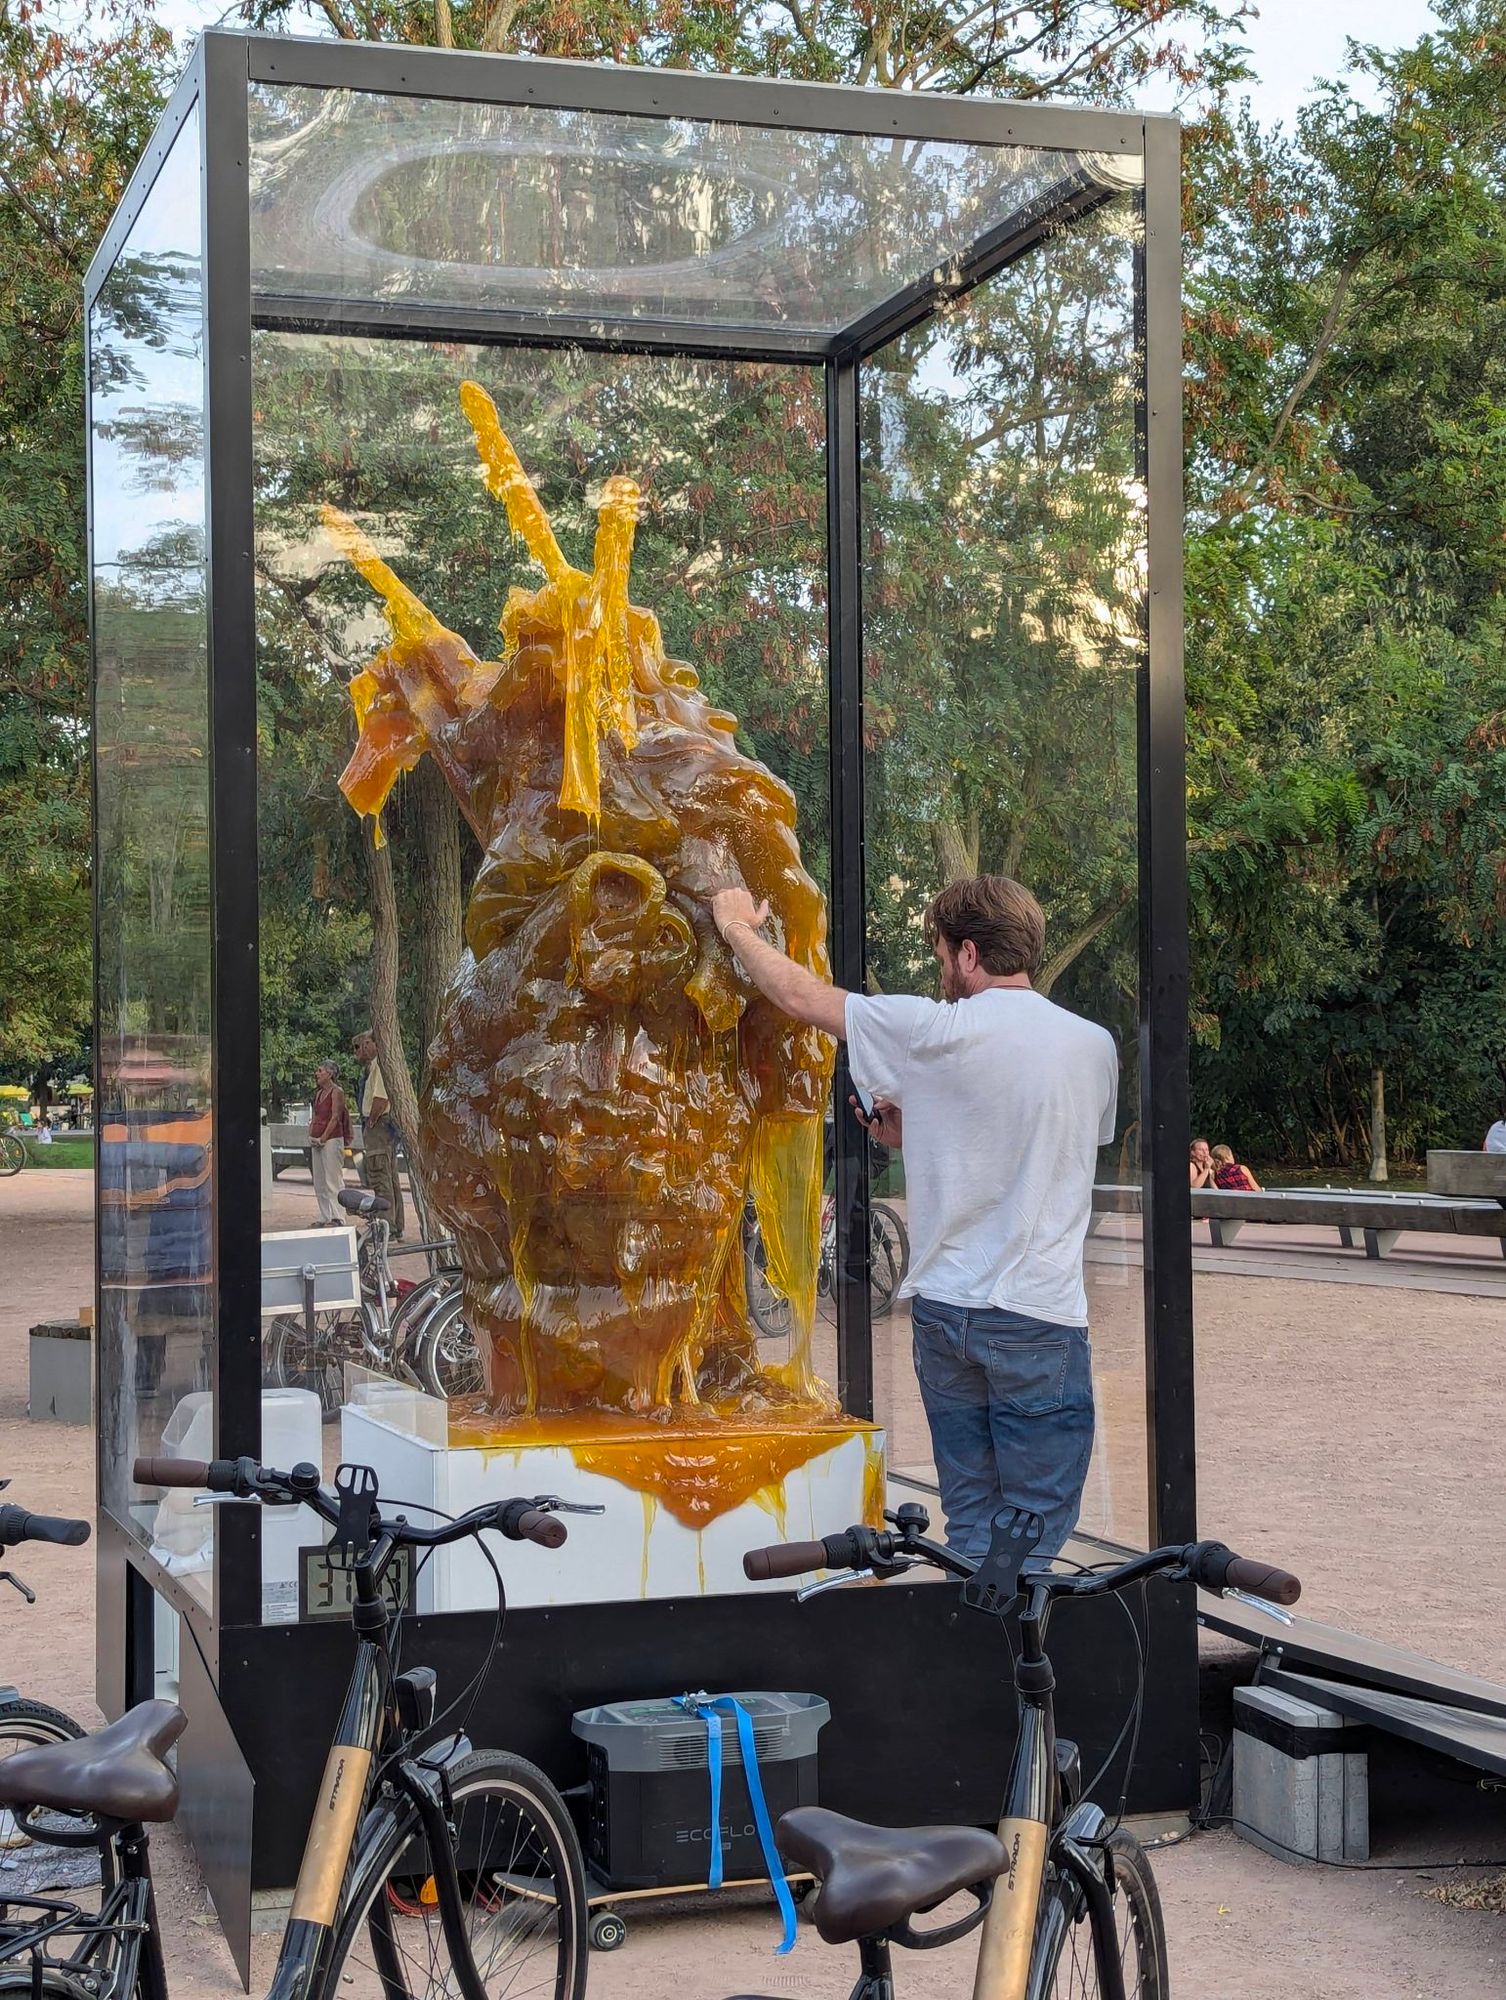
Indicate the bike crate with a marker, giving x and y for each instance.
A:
(649, 1823)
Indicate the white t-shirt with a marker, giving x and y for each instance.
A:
(1495, 1138)
(1006, 1099)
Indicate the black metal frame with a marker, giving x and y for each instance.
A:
(219, 78)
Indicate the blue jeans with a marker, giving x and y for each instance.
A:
(1010, 1404)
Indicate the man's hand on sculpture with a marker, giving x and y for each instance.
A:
(736, 906)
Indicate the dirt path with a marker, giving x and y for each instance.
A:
(1354, 1432)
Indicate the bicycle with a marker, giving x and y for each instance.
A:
(26, 1724)
(429, 1866)
(1065, 1896)
(13, 1155)
(373, 1334)
(888, 1262)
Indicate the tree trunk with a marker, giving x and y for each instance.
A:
(957, 846)
(435, 862)
(1378, 1167)
(1058, 962)
(402, 1098)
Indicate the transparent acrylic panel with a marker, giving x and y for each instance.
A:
(729, 555)
(156, 1123)
(1004, 543)
(356, 195)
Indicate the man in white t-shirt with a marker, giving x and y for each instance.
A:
(1495, 1138)
(1000, 1100)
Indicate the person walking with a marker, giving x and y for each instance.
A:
(379, 1136)
(329, 1135)
(1000, 1100)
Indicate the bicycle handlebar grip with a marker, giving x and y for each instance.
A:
(1277, 1586)
(219, 1475)
(548, 1530)
(783, 1559)
(795, 1558)
(171, 1472)
(1214, 1566)
(16, 1525)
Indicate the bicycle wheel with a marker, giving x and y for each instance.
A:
(522, 1883)
(768, 1307)
(446, 1359)
(888, 1254)
(27, 1725)
(1064, 1965)
(12, 1153)
(290, 1360)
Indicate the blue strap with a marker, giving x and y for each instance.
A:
(711, 1709)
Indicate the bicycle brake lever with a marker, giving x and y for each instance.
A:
(551, 1503)
(10, 1577)
(833, 1583)
(1261, 1604)
(225, 1499)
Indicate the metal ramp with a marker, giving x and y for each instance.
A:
(1402, 1693)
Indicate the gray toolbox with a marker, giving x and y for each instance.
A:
(648, 1826)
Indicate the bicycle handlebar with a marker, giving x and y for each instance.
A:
(518, 1520)
(16, 1525)
(1211, 1565)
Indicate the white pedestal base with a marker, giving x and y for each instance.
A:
(635, 1549)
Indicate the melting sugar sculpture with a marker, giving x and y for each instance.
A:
(606, 1091)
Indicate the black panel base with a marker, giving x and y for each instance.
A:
(922, 1720)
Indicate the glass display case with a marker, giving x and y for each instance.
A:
(524, 497)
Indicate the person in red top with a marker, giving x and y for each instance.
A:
(1229, 1174)
(329, 1135)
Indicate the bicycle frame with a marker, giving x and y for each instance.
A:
(369, 1724)
(1033, 1829)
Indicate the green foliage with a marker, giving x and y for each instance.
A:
(76, 108)
(1346, 459)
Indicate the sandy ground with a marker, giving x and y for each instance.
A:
(1349, 1429)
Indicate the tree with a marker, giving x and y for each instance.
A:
(76, 108)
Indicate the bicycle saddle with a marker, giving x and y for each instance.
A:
(362, 1201)
(873, 1877)
(117, 1773)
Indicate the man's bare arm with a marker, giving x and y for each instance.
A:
(788, 986)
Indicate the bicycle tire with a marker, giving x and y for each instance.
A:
(413, 1308)
(445, 1356)
(1064, 1964)
(888, 1255)
(768, 1308)
(290, 1362)
(12, 1154)
(27, 1725)
(389, 1938)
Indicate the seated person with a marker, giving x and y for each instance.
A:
(1495, 1138)
(1230, 1175)
(1200, 1164)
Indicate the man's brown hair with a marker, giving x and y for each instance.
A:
(1001, 917)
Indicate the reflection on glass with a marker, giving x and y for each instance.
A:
(146, 385)
(1004, 530)
(357, 195)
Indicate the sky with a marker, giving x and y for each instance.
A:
(1293, 43)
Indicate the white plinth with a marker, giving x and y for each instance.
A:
(635, 1549)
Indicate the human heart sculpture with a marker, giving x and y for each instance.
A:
(606, 1093)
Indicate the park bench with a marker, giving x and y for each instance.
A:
(290, 1147)
(1376, 1220)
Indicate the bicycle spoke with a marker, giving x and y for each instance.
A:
(510, 1908)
